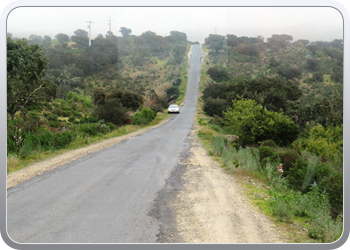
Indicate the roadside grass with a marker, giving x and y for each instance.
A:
(15, 163)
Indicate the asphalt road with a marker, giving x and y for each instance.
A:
(106, 196)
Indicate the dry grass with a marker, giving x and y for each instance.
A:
(12, 161)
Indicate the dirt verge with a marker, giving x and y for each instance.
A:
(211, 207)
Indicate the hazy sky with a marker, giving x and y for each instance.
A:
(312, 23)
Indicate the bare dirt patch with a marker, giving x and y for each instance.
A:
(211, 207)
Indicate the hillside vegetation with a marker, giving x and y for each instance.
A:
(272, 114)
(64, 94)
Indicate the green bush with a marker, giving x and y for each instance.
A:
(218, 146)
(296, 174)
(254, 124)
(269, 143)
(173, 93)
(287, 158)
(71, 119)
(247, 160)
(57, 111)
(87, 129)
(265, 154)
(66, 113)
(54, 124)
(230, 157)
(144, 117)
(157, 108)
(52, 117)
(215, 106)
(324, 142)
(282, 210)
(11, 144)
(28, 146)
(333, 186)
(102, 127)
(110, 126)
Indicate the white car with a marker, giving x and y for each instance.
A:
(173, 109)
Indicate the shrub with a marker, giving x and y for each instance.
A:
(218, 146)
(333, 185)
(269, 143)
(52, 117)
(230, 157)
(144, 117)
(296, 174)
(28, 146)
(57, 111)
(66, 113)
(11, 145)
(214, 106)
(282, 210)
(110, 126)
(54, 124)
(111, 111)
(247, 160)
(205, 132)
(71, 119)
(265, 153)
(173, 93)
(177, 82)
(157, 108)
(87, 129)
(254, 124)
(287, 158)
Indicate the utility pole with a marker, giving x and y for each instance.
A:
(110, 32)
(89, 32)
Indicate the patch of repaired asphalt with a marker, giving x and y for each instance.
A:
(168, 232)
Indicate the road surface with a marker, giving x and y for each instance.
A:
(107, 196)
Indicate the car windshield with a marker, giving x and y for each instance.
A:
(173, 106)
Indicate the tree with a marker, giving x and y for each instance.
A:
(62, 38)
(111, 111)
(318, 76)
(46, 42)
(125, 31)
(337, 74)
(218, 73)
(290, 73)
(80, 32)
(81, 38)
(312, 64)
(313, 48)
(277, 42)
(303, 41)
(8, 34)
(177, 36)
(34, 39)
(215, 42)
(25, 71)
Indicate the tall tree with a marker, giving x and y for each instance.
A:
(62, 38)
(25, 83)
(46, 42)
(125, 31)
(215, 42)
